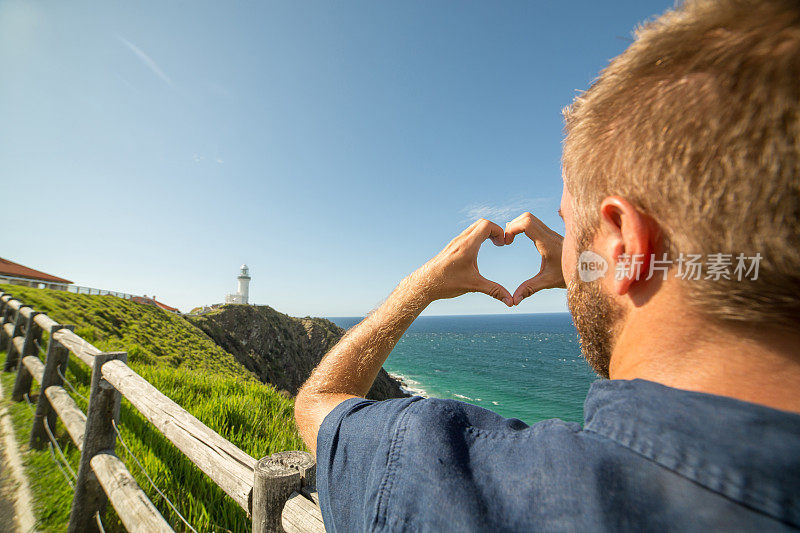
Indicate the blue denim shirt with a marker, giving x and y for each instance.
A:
(648, 458)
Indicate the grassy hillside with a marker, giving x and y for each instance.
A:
(183, 363)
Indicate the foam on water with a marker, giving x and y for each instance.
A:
(410, 386)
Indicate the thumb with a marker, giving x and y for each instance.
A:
(495, 290)
(529, 288)
(549, 277)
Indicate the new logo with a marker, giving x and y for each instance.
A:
(591, 266)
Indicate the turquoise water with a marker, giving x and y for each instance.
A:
(521, 366)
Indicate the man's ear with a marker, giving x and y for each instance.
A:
(626, 238)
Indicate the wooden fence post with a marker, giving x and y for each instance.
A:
(4, 298)
(5, 339)
(302, 461)
(276, 478)
(55, 362)
(6, 319)
(11, 350)
(104, 401)
(33, 333)
(33, 336)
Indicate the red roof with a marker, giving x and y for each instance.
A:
(165, 306)
(10, 268)
(150, 301)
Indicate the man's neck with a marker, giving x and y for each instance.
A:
(685, 351)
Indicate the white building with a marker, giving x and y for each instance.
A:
(243, 293)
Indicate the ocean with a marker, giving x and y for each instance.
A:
(525, 366)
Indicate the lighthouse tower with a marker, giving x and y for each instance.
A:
(243, 293)
(244, 284)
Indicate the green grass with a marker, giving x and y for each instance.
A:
(149, 335)
(184, 364)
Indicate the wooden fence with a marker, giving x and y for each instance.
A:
(278, 492)
(77, 289)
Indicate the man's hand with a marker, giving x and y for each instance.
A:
(454, 270)
(549, 243)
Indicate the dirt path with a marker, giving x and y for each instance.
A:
(7, 493)
(15, 494)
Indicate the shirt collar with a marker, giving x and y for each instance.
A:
(747, 452)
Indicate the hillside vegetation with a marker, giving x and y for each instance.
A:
(184, 364)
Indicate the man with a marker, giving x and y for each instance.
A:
(686, 147)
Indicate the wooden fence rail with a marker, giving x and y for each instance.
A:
(277, 491)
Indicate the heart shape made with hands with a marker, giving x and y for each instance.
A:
(511, 265)
(544, 247)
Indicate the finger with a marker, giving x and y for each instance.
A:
(523, 223)
(511, 231)
(485, 229)
(470, 229)
(546, 240)
(529, 288)
(495, 290)
(518, 225)
(464, 235)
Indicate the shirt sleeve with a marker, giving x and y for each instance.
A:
(354, 445)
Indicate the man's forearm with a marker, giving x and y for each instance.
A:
(353, 364)
(350, 368)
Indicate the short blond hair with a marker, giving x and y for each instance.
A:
(697, 123)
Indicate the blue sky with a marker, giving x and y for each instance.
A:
(153, 147)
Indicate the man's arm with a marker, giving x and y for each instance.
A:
(350, 368)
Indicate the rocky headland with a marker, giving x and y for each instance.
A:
(279, 349)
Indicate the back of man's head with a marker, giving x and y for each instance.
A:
(697, 124)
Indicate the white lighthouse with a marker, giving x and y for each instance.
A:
(243, 293)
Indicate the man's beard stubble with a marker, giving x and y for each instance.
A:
(596, 317)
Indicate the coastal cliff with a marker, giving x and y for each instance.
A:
(279, 349)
